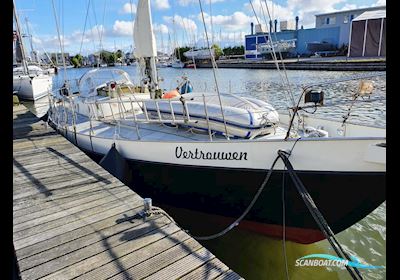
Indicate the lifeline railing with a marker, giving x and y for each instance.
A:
(64, 109)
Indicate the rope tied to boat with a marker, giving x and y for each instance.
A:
(308, 201)
(317, 215)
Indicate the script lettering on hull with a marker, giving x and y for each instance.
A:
(180, 153)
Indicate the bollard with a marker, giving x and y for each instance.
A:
(147, 204)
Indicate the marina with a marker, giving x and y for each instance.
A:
(257, 168)
(354, 238)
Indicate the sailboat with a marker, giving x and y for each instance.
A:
(176, 59)
(30, 82)
(209, 152)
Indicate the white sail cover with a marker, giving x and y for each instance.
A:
(145, 42)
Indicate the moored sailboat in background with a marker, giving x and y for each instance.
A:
(30, 82)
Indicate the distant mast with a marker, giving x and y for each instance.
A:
(19, 43)
(145, 44)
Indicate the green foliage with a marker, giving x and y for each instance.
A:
(238, 50)
(217, 51)
(179, 53)
(77, 60)
(118, 54)
(108, 57)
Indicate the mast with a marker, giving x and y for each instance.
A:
(21, 45)
(30, 41)
(175, 44)
(145, 43)
(211, 25)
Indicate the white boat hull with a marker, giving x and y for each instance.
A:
(339, 154)
(32, 88)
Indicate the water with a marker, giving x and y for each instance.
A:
(366, 240)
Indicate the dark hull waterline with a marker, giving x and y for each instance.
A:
(344, 198)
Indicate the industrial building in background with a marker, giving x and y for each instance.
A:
(368, 34)
(331, 36)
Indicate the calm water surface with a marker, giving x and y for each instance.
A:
(366, 240)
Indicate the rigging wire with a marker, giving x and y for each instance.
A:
(97, 26)
(280, 54)
(84, 27)
(91, 33)
(273, 52)
(214, 64)
(131, 8)
(60, 41)
(188, 39)
(284, 222)
(102, 24)
(24, 62)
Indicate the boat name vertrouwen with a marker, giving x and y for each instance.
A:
(199, 154)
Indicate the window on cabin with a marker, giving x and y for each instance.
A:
(351, 17)
(346, 19)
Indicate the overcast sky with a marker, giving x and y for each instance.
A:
(231, 20)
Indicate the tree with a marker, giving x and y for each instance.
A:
(118, 55)
(217, 51)
(108, 57)
(179, 53)
(238, 50)
(77, 60)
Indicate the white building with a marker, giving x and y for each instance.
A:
(342, 19)
(58, 58)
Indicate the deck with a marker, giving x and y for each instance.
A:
(73, 219)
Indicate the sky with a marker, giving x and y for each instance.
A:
(175, 23)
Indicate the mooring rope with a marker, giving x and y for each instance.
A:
(308, 201)
(238, 220)
(317, 215)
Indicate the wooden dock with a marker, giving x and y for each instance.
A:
(73, 219)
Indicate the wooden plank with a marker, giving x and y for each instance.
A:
(54, 182)
(52, 208)
(161, 261)
(61, 147)
(208, 270)
(105, 220)
(63, 212)
(229, 275)
(72, 219)
(135, 257)
(92, 239)
(78, 217)
(52, 188)
(48, 141)
(183, 266)
(97, 261)
(39, 163)
(60, 197)
(106, 244)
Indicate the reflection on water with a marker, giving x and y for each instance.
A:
(238, 249)
(258, 257)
